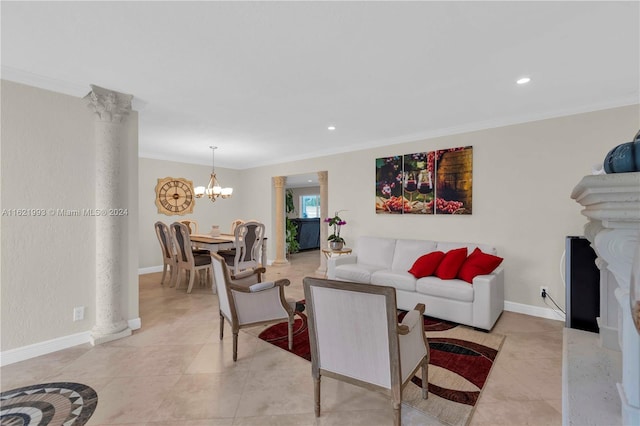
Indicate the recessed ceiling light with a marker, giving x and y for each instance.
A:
(523, 80)
(309, 181)
(331, 127)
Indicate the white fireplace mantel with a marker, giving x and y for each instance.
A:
(612, 204)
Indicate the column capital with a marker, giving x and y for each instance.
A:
(279, 181)
(323, 177)
(109, 105)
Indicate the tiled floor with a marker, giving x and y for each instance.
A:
(175, 371)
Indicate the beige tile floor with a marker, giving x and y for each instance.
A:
(175, 371)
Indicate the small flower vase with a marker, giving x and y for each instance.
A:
(336, 245)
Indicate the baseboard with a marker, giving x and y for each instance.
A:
(24, 353)
(535, 311)
(42, 348)
(150, 270)
(153, 269)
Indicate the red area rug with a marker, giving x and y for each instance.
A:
(461, 359)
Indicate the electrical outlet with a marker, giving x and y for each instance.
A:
(544, 291)
(78, 313)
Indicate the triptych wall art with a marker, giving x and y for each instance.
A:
(434, 182)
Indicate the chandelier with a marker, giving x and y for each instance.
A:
(213, 189)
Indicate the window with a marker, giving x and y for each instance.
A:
(310, 206)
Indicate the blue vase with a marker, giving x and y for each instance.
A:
(624, 158)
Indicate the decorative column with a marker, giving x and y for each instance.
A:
(324, 213)
(111, 111)
(279, 183)
(612, 204)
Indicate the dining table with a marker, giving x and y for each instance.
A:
(223, 242)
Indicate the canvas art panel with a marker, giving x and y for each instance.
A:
(454, 180)
(418, 183)
(389, 199)
(433, 182)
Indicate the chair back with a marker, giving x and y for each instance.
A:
(248, 243)
(165, 239)
(192, 225)
(235, 224)
(221, 278)
(182, 241)
(353, 331)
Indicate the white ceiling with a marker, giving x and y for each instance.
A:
(263, 80)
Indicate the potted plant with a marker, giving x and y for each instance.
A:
(291, 230)
(336, 242)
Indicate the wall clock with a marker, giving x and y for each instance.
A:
(174, 196)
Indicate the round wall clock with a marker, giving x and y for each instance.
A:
(174, 196)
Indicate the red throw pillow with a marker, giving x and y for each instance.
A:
(426, 264)
(450, 265)
(478, 263)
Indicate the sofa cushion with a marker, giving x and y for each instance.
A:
(449, 289)
(450, 265)
(356, 272)
(426, 264)
(478, 263)
(407, 251)
(375, 251)
(398, 280)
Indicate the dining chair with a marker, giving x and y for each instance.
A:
(191, 224)
(169, 258)
(186, 259)
(235, 224)
(247, 247)
(250, 302)
(384, 357)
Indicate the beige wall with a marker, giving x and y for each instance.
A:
(206, 213)
(523, 177)
(48, 262)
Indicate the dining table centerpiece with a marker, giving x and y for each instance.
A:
(336, 242)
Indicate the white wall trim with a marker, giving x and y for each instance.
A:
(24, 353)
(150, 270)
(535, 311)
(135, 323)
(42, 348)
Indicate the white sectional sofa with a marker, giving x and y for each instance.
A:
(386, 261)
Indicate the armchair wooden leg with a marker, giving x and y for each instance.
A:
(290, 331)
(235, 346)
(316, 395)
(425, 378)
(221, 325)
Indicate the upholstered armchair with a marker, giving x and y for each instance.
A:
(249, 302)
(355, 337)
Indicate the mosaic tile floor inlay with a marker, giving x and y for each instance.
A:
(48, 404)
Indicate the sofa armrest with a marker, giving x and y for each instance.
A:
(332, 262)
(488, 298)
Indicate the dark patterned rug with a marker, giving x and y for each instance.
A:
(460, 363)
(48, 404)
